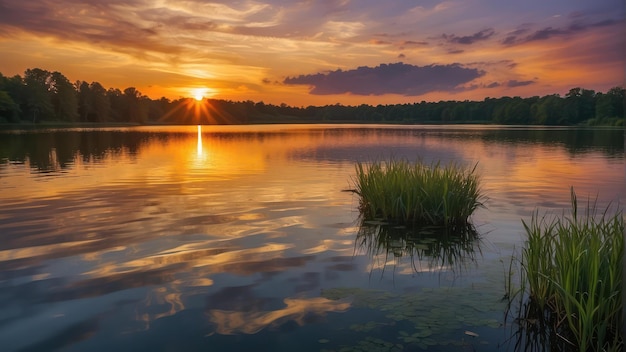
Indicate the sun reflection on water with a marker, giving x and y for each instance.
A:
(199, 147)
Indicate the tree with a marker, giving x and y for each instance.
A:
(548, 110)
(85, 101)
(38, 85)
(517, 112)
(42, 95)
(579, 106)
(118, 104)
(10, 95)
(136, 109)
(157, 109)
(611, 104)
(9, 110)
(94, 103)
(101, 103)
(64, 98)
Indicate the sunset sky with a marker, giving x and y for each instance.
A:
(322, 52)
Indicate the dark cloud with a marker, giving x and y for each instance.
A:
(515, 83)
(398, 78)
(412, 42)
(511, 84)
(544, 34)
(520, 37)
(470, 39)
(379, 42)
(509, 40)
(511, 37)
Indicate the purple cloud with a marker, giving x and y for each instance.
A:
(515, 83)
(551, 32)
(470, 39)
(398, 78)
(412, 42)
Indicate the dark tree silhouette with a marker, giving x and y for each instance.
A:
(49, 96)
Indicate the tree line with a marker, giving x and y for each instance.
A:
(41, 95)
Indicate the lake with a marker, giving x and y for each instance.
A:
(242, 238)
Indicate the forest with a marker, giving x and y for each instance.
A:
(43, 96)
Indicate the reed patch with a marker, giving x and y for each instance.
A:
(572, 277)
(399, 191)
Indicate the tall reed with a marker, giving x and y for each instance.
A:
(416, 193)
(573, 267)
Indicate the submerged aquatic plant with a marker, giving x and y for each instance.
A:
(416, 193)
(572, 267)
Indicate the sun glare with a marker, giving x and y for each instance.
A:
(196, 107)
(198, 93)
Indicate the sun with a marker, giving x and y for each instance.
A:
(198, 93)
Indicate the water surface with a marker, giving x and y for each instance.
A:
(240, 237)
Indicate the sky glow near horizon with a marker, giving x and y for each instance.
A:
(321, 52)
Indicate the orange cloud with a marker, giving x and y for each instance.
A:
(163, 51)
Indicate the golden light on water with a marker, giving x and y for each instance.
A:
(199, 146)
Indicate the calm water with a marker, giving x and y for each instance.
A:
(239, 238)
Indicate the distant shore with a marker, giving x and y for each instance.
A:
(65, 124)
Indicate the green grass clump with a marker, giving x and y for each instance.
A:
(572, 267)
(415, 193)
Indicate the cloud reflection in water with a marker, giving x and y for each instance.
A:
(133, 233)
(232, 322)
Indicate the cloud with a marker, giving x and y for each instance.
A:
(100, 23)
(398, 78)
(412, 42)
(519, 37)
(515, 83)
(470, 39)
(234, 45)
(378, 42)
(511, 37)
(545, 33)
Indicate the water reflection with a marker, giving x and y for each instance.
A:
(200, 152)
(164, 236)
(429, 248)
(65, 338)
(54, 150)
(532, 331)
(250, 321)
